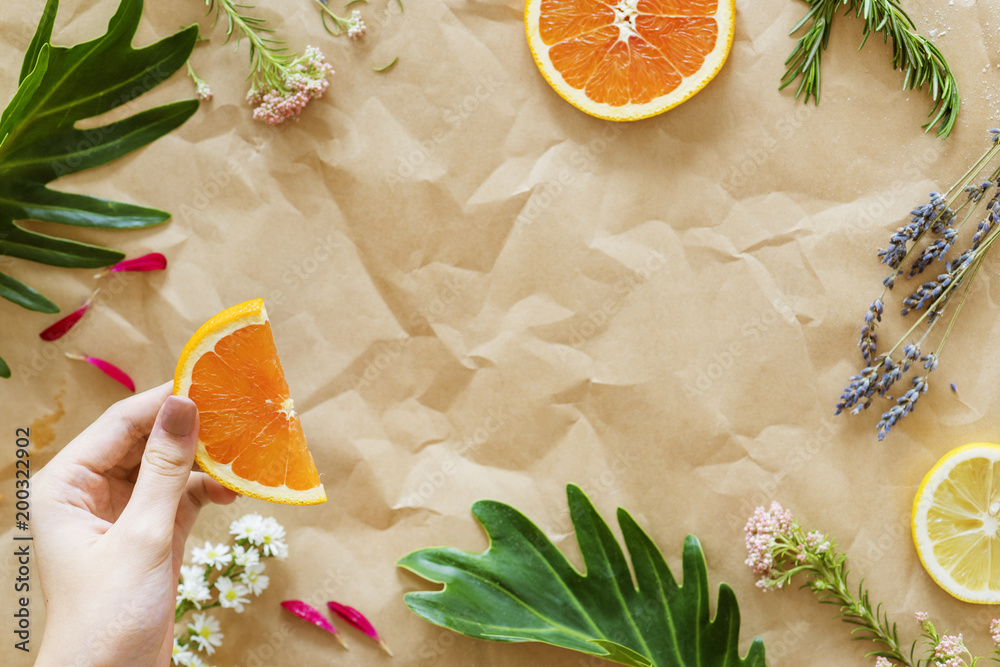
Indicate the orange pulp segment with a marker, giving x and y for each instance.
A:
(250, 438)
(629, 59)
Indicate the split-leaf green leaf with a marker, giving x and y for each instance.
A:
(522, 588)
(39, 140)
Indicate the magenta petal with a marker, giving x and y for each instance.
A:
(59, 329)
(358, 620)
(311, 614)
(354, 617)
(112, 371)
(154, 261)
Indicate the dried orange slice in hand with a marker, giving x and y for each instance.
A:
(250, 438)
(629, 59)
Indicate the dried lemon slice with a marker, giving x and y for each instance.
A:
(956, 523)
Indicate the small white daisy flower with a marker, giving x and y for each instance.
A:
(181, 655)
(195, 591)
(272, 541)
(206, 633)
(245, 556)
(191, 573)
(212, 555)
(248, 527)
(254, 580)
(230, 594)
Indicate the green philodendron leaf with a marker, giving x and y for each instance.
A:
(40, 139)
(522, 588)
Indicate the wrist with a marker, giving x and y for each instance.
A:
(106, 644)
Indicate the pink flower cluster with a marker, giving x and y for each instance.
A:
(882, 662)
(950, 649)
(995, 631)
(815, 542)
(355, 26)
(761, 530)
(305, 80)
(203, 92)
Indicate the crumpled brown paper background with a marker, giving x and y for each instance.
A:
(480, 292)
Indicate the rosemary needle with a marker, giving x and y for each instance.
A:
(920, 60)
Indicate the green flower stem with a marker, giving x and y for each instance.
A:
(339, 22)
(269, 59)
(828, 579)
(194, 77)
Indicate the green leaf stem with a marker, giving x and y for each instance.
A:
(39, 140)
(522, 588)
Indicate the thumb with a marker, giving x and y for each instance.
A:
(164, 471)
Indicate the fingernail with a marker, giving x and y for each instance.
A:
(178, 416)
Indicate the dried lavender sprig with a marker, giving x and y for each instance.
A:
(858, 394)
(936, 217)
(935, 251)
(869, 339)
(992, 218)
(945, 202)
(923, 217)
(928, 292)
(904, 406)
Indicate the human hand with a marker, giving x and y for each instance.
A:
(111, 513)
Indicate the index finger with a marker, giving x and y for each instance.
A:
(127, 423)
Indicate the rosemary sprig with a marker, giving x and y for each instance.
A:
(281, 82)
(934, 227)
(921, 61)
(270, 59)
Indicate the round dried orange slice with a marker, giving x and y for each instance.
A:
(250, 438)
(629, 59)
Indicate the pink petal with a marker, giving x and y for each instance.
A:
(311, 614)
(59, 329)
(358, 620)
(111, 371)
(154, 261)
